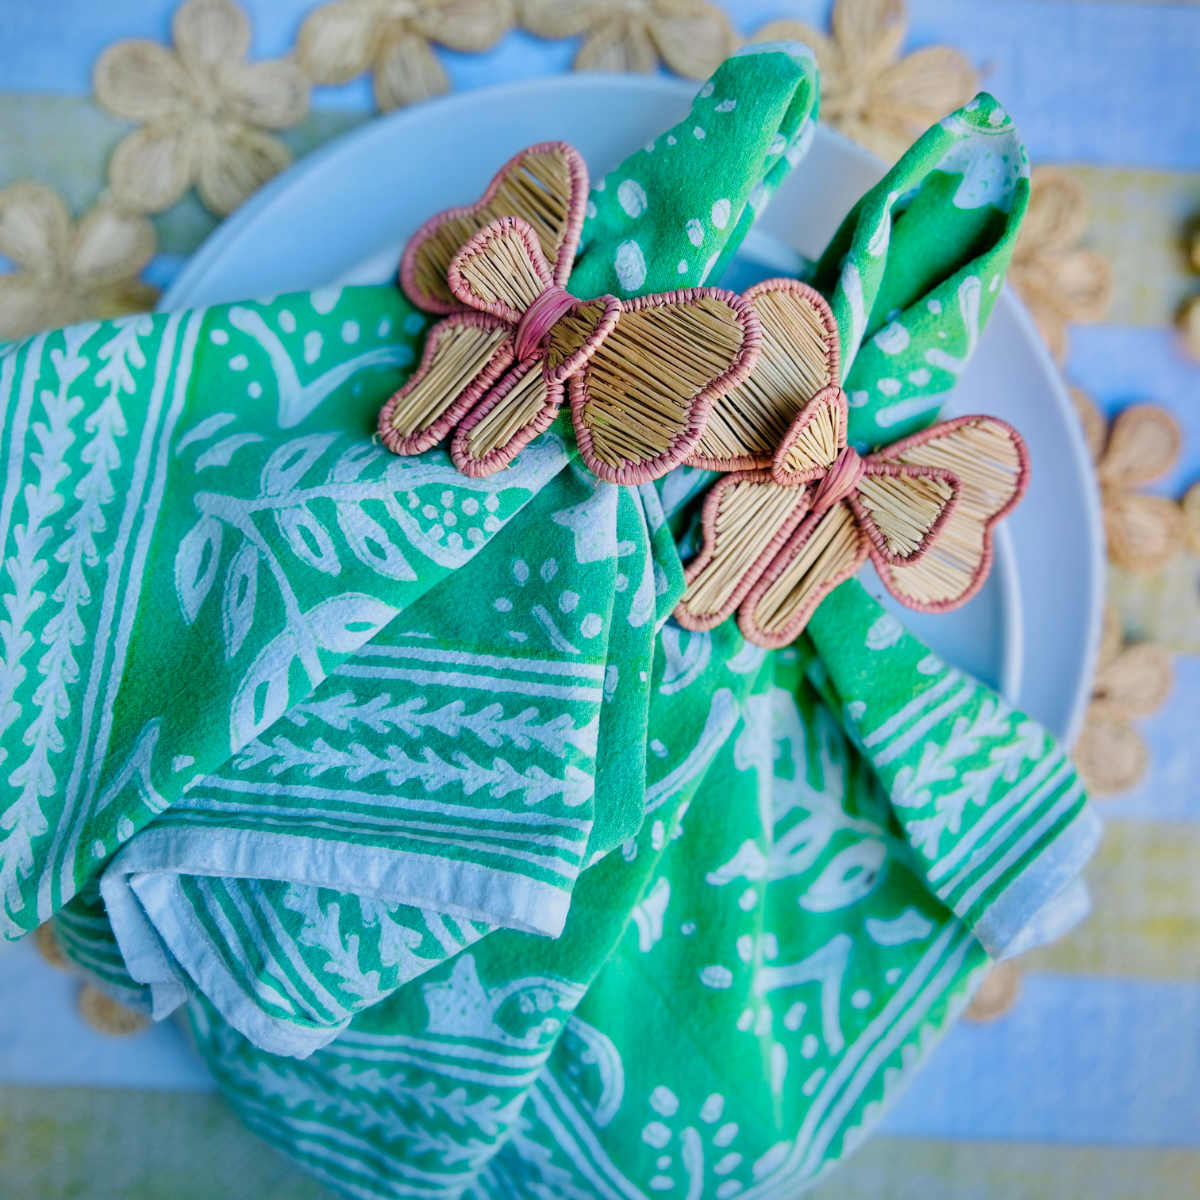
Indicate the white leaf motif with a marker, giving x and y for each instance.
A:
(239, 598)
(196, 565)
(340, 624)
(308, 539)
(287, 466)
(371, 544)
(262, 697)
(848, 876)
(222, 453)
(344, 623)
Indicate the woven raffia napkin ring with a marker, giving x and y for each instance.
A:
(643, 374)
(780, 536)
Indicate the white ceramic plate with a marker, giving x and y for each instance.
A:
(342, 214)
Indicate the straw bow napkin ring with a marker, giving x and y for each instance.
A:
(643, 374)
(774, 547)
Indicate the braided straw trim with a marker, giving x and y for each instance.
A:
(962, 470)
(503, 430)
(451, 358)
(827, 549)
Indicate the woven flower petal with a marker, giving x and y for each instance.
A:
(693, 39)
(1058, 284)
(407, 71)
(1109, 754)
(120, 298)
(467, 25)
(35, 227)
(869, 32)
(1143, 444)
(152, 167)
(1095, 425)
(923, 88)
(48, 947)
(105, 1015)
(882, 134)
(558, 18)
(1057, 215)
(141, 81)
(999, 991)
(618, 44)
(1189, 506)
(109, 246)
(1083, 280)
(338, 41)
(29, 305)
(1144, 532)
(210, 33)
(1135, 684)
(1048, 305)
(234, 160)
(1189, 324)
(1112, 639)
(273, 94)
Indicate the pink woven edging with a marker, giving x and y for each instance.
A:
(499, 458)
(565, 257)
(427, 438)
(683, 443)
(836, 398)
(477, 245)
(833, 358)
(988, 551)
(792, 630)
(708, 522)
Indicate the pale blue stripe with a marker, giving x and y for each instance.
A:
(1119, 365)
(44, 1042)
(1077, 1060)
(1093, 82)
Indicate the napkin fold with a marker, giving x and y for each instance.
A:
(744, 986)
(304, 752)
(915, 268)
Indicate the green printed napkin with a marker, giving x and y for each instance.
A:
(914, 270)
(743, 986)
(475, 872)
(285, 722)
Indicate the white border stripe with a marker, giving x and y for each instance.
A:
(925, 724)
(533, 666)
(897, 721)
(483, 683)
